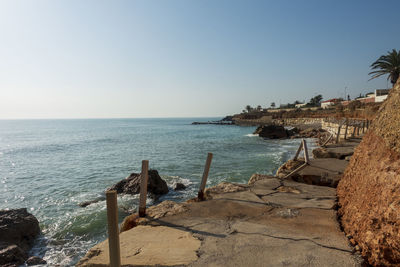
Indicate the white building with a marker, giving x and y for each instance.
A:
(327, 103)
(381, 94)
(300, 105)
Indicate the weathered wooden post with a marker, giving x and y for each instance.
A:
(345, 131)
(144, 177)
(363, 127)
(306, 158)
(358, 130)
(338, 133)
(113, 232)
(354, 131)
(298, 151)
(200, 195)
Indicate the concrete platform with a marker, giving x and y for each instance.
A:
(325, 172)
(272, 222)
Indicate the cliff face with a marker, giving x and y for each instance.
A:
(369, 192)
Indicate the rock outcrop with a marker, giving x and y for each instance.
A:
(272, 132)
(131, 184)
(18, 230)
(369, 192)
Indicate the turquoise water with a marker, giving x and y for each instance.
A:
(49, 166)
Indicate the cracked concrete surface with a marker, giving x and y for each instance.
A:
(269, 223)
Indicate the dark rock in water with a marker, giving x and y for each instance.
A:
(11, 255)
(227, 118)
(179, 186)
(87, 203)
(34, 260)
(272, 131)
(18, 227)
(18, 230)
(131, 184)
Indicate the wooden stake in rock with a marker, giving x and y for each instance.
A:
(113, 232)
(306, 158)
(338, 133)
(298, 150)
(144, 177)
(200, 195)
(345, 131)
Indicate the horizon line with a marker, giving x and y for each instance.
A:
(115, 118)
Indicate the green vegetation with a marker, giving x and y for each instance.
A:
(387, 64)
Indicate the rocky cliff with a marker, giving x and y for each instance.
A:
(369, 192)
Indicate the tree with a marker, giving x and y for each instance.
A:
(387, 64)
(315, 101)
(248, 108)
(259, 108)
(273, 105)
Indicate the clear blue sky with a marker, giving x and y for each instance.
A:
(91, 59)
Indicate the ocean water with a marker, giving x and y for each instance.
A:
(49, 166)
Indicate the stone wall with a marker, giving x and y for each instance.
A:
(369, 192)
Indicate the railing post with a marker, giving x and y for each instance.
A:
(200, 195)
(306, 158)
(338, 133)
(144, 177)
(345, 131)
(298, 151)
(113, 232)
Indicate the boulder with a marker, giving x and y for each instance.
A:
(131, 184)
(18, 230)
(11, 255)
(179, 186)
(272, 132)
(35, 260)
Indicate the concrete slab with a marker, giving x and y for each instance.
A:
(270, 223)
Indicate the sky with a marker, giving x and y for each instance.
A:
(137, 59)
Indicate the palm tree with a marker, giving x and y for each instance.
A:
(387, 64)
(248, 108)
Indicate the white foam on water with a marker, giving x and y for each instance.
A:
(251, 135)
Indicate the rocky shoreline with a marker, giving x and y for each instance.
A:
(267, 214)
(18, 231)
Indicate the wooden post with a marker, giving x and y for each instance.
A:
(306, 158)
(296, 170)
(345, 131)
(144, 177)
(298, 151)
(113, 232)
(354, 131)
(326, 142)
(358, 130)
(200, 195)
(338, 134)
(363, 127)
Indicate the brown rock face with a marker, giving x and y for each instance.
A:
(369, 192)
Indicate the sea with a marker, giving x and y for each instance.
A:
(50, 166)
